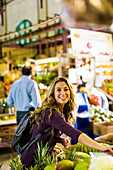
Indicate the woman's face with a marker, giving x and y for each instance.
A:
(62, 93)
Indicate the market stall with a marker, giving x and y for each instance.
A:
(75, 157)
(8, 126)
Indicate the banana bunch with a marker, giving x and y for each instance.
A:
(82, 148)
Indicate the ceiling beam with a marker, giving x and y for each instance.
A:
(30, 28)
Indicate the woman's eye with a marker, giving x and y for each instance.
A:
(66, 89)
(58, 89)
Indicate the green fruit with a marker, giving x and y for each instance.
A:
(81, 155)
(78, 160)
(50, 167)
(82, 148)
(86, 149)
(65, 165)
(78, 146)
(87, 160)
(81, 166)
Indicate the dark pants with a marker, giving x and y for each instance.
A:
(20, 115)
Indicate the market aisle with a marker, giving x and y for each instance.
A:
(5, 157)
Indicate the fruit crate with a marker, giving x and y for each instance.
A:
(103, 128)
(7, 130)
(0, 140)
(7, 116)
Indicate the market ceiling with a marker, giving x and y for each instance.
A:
(95, 15)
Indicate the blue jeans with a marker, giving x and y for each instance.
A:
(20, 115)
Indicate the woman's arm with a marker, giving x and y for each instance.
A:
(58, 122)
(85, 140)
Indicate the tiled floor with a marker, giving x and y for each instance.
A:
(5, 157)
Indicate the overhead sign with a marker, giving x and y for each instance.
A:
(91, 42)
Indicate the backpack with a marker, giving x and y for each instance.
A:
(23, 133)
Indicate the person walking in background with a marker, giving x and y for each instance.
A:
(98, 98)
(56, 111)
(24, 94)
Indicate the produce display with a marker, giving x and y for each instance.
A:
(79, 157)
(7, 117)
(5, 108)
(47, 78)
(107, 86)
(2, 89)
(9, 79)
(98, 114)
(67, 159)
(82, 148)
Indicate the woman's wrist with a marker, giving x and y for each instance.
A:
(85, 140)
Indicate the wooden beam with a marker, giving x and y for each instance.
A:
(30, 28)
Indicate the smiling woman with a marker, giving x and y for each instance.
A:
(56, 111)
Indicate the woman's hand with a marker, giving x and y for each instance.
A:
(107, 148)
(86, 140)
(65, 142)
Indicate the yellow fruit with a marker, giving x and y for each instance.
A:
(81, 166)
(81, 155)
(14, 117)
(77, 161)
(50, 167)
(65, 165)
(6, 117)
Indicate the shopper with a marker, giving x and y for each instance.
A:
(81, 84)
(98, 98)
(24, 94)
(56, 111)
(95, 96)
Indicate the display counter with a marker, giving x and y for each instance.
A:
(7, 129)
(110, 99)
(7, 122)
(107, 95)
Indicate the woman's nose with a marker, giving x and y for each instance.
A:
(62, 92)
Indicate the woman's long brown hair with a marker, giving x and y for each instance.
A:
(50, 102)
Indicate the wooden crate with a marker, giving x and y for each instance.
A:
(7, 138)
(103, 128)
(7, 130)
(7, 134)
(0, 140)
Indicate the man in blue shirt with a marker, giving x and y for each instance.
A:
(24, 94)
